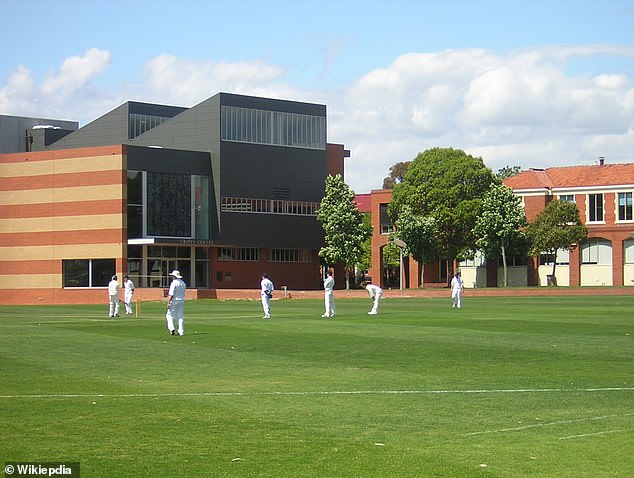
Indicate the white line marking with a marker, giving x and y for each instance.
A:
(314, 393)
(550, 424)
(591, 434)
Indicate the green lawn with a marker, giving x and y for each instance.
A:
(505, 387)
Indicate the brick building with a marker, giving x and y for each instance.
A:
(223, 191)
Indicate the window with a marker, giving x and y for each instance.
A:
(290, 255)
(87, 272)
(596, 251)
(248, 125)
(169, 201)
(567, 198)
(547, 258)
(384, 219)
(595, 207)
(625, 206)
(268, 206)
(238, 254)
(139, 123)
(135, 204)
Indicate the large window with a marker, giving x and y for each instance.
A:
(596, 251)
(169, 205)
(139, 124)
(268, 206)
(384, 219)
(87, 272)
(290, 255)
(248, 125)
(135, 204)
(625, 206)
(595, 207)
(238, 254)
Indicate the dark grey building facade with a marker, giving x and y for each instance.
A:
(224, 190)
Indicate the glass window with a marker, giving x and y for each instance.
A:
(595, 207)
(567, 198)
(273, 127)
(547, 258)
(386, 223)
(87, 272)
(169, 205)
(596, 251)
(625, 206)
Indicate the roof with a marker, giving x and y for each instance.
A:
(363, 202)
(573, 177)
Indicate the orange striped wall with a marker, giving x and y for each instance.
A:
(57, 205)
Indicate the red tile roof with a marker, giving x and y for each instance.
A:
(573, 176)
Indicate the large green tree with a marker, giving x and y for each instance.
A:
(345, 230)
(557, 226)
(448, 185)
(499, 229)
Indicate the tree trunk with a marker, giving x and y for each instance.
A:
(553, 279)
(504, 266)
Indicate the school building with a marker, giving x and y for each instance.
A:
(603, 194)
(223, 191)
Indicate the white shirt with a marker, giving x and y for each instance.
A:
(266, 285)
(129, 286)
(113, 287)
(177, 289)
(329, 283)
(456, 284)
(373, 290)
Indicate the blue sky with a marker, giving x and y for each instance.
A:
(528, 83)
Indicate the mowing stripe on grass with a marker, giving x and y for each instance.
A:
(313, 393)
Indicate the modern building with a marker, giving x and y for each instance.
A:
(222, 191)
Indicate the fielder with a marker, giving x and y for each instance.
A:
(457, 287)
(176, 304)
(266, 291)
(113, 297)
(375, 292)
(329, 300)
(128, 292)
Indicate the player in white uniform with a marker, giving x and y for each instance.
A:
(375, 292)
(113, 297)
(457, 286)
(266, 292)
(128, 292)
(329, 300)
(176, 304)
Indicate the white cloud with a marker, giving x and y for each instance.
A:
(526, 107)
(520, 109)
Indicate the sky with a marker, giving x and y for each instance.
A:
(529, 83)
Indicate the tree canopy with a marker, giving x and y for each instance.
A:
(397, 174)
(448, 185)
(499, 227)
(345, 230)
(557, 226)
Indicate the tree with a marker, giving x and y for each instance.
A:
(508, 171)
(345, 230)
(419, 233)
(499, 227)
(397, 173)
(448, 185)
(558, 226)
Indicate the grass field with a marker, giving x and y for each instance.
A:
(505, 387)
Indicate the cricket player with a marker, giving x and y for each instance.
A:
(329, 300)
(267, 288)
(113, 297)
(176, 304)
(128, 292)
(457, 287)
(375, 292)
